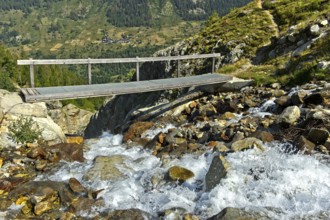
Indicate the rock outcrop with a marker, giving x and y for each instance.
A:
(70, 118)
(12, 108)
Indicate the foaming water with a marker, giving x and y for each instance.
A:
(264, 109)
(295, 184)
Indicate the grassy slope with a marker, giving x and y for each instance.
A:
(255, 25)
(88, 30)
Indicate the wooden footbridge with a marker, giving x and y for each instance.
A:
(96, 90)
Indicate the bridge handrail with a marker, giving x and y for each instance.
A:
(90, 61)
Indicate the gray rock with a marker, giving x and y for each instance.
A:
(247, 143)
(216, 172)
(305, 145)
(318, 135)
(324, 23)
(292, 38)
(107, 168)
(127, 214)
(290, 115)
(27, 109)
(315, 30)
(323, 65)
(238, 214)
(283, 101)
(71, 119)
(298, 97)
(301, 49)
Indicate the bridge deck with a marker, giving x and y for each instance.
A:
(97, 90)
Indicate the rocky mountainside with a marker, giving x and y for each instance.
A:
(259, 41)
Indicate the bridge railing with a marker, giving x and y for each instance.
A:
(32, 62)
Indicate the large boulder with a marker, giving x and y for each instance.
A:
(107, 168)
(12, 109)
(290, 115)
(71, 119)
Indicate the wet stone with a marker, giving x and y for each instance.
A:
(247, 143)
(298, 97)
(236, 213)
(305, 145)
(318, 135)
(177, 173)
(41, 165)
(216, 172)
(76, 186)
(135, 214)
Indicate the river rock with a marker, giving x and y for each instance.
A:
(318, 135)
(107, 168)
(43, 207)
(228, 116)
(5, 204)
(127, 214)
(247, 143)
(76, 186)
(39, 190)
(216, 172)
(283, 101)
(298, 97)
(290, 115)
(238, 214)
(7, 184)
(314, 99)
(264, 136)
(177, 173)
(37, 153)
(305, 145)
(41, 165)
(136, 130)
(81, 204)
(69, 152)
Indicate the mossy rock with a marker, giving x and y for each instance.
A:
(178, 173)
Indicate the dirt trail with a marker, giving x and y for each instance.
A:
(274, 25)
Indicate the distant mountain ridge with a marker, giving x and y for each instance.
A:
(130, 12)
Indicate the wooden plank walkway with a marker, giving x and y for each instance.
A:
(98, 90)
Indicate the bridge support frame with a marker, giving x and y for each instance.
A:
(32, 74)
(137, 70)
(89, 72)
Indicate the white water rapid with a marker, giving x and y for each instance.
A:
(295, 184)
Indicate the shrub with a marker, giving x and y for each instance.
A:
(24, 130)
(5, 83)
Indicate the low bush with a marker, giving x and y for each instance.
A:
(24, 130)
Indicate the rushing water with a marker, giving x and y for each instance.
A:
(295, 184)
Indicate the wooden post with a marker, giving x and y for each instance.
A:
(32, 73)
(213, 64)
(179, 68)
(137, 70)
(89, 72)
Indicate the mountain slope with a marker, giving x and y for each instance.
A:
(266, 41)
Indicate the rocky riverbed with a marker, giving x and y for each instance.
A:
(261, 153)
